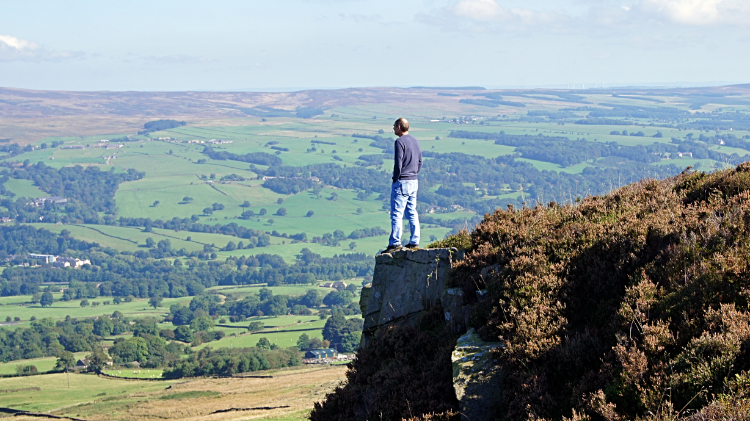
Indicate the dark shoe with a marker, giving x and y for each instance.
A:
(391, 249)
(412, 246)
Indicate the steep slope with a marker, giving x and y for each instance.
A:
(629, 305)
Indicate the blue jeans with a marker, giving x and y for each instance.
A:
(404, 199)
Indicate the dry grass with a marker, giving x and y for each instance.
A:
(297, 389)
(198, 399)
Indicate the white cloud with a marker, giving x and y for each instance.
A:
(600, 15)
(17, 49)
(17, 44)
(699, 12)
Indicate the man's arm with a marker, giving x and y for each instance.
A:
(398, 160)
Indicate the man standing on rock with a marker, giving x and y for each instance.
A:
(406, 166)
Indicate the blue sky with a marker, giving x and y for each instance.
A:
(282, 44)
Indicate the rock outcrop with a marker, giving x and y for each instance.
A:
(408, 283)
(476, 377)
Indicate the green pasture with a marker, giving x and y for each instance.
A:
(134, 238)
(550, 166)
(23, 299)
(272, 325)
(63, 390)
(138, 373)
(727, 150)
(24, 188)
(274, 330)
(42, 364)
(61, 309)
(247, 340)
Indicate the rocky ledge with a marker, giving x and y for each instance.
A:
(406, 284)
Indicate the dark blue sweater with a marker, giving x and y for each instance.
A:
(408, 158)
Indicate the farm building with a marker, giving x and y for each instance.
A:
(320, 354)
(339, 285)
(72, 262)
(52, 199)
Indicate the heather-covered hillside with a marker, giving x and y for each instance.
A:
(625, 306)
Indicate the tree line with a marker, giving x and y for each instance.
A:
(123, 274)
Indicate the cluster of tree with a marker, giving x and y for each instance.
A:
(620, 115)
(700, 150)
(306, 343)
(542, 186)
(728, 139)
(374, 159)
(308, 112)
(375, 137)
(288, 185)
(88, 190)
(259, 158)
(254, 237)
(47, 337)
(14, 149)
(718, 121)
(367, 232)
(231, 361)
(155, 126)
(20, 240)
(232, 177)
(355, 178)
(563, 151)
(139, 275)
(343, 333)
(322, 142)
(198, 314)
(148, 349)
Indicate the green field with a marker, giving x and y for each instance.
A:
(20, 305)
(63, 390)
(282, 331)
(42, 364)
(61, 309)
(24, 188)
(138, 373)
